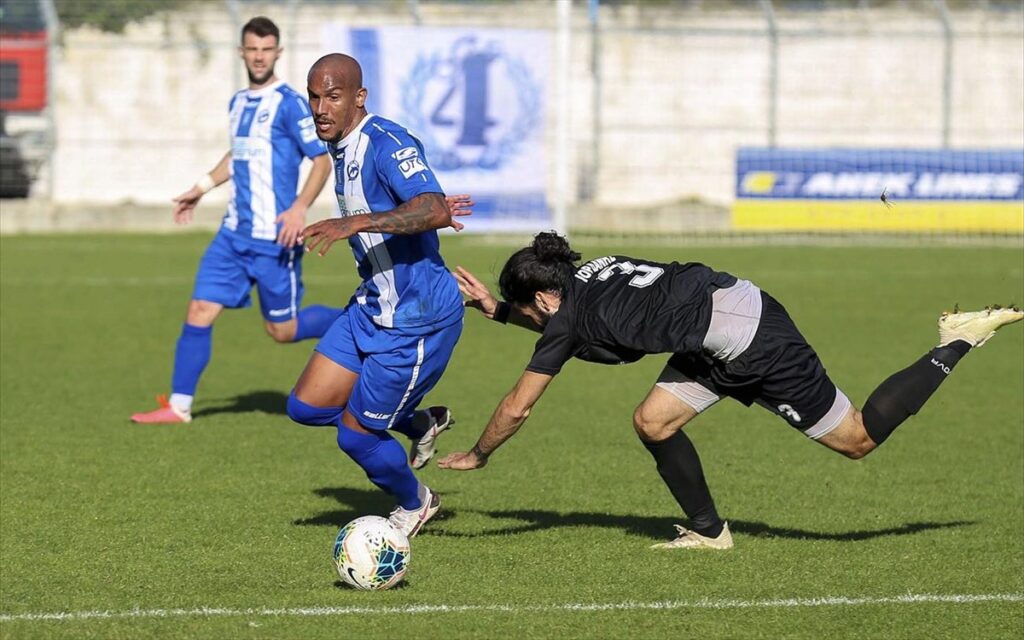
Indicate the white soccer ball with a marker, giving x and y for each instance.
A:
(370, 553)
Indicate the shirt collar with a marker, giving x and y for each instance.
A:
(354, 134)
(265, 91)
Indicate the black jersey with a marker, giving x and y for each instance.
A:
(619, 309)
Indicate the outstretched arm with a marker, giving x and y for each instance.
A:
(508, 417)
(423, 212)
(185, 204)
(481, 298)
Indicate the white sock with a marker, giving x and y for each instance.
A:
(181, 402)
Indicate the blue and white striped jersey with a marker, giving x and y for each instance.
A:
(378, 166)
(272, 130)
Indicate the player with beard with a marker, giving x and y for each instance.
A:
(395, 337)
(726, 337)
(258, 244)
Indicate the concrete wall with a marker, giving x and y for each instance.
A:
(140, 116)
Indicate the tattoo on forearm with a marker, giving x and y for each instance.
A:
(422, 213)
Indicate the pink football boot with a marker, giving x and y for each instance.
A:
(166, 414)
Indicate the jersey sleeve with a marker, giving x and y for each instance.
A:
(402, 165)
(554, 348)
(299, 122)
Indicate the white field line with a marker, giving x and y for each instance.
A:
(212, 612)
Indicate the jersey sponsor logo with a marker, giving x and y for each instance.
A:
(307, 129)
(405, 153)
(788, 410)
(475, 104)
(409, 161)
(376, 416)
(246, 148)
(343, 209)
(411, 167)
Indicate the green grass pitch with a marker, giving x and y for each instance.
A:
(223, 528)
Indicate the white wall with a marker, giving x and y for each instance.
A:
(140, 116)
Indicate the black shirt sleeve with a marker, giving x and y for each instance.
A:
(554, 348)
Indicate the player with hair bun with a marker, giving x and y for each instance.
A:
(727, 337)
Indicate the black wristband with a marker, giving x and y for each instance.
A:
(478, 453)
(502, 311)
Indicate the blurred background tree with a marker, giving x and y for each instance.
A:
(111, 15)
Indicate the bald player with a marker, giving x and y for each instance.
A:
(393, 340)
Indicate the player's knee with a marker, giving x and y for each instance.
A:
(650, 428)
(282, 332)
(202, 313)
(309, 415)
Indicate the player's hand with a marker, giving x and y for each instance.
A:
(480, 297)
(292, 221)
(185, 205)
(321, 235)
(460, 205)
(462, 461)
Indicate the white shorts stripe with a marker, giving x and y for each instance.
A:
(412, 382)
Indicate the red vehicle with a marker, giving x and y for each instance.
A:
(24, 82)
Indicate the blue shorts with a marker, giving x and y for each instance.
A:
(232, 265)
(396, 370)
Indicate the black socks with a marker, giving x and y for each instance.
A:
(904, 393)
(679, 466)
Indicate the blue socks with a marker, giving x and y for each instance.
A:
(314, 321)
(385, 463)
(190, 358)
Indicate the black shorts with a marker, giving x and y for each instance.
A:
(778, 371)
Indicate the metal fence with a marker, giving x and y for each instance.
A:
(646, 102)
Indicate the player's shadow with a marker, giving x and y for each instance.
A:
(272, 402)
(660, 528)
(360, 502)
(357, 502)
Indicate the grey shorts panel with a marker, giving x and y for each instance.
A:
(691, 392)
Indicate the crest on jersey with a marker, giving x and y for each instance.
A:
(352, 170)
(472, 106)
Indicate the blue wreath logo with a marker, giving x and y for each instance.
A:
(473, 106)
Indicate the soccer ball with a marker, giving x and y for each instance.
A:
(370, 553)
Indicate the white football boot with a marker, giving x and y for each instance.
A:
(692, 540)
(975, 327)
(422, 449)
(410, 522)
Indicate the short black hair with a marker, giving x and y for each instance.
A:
(261, 26)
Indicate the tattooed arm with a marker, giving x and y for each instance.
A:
(423, 212)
